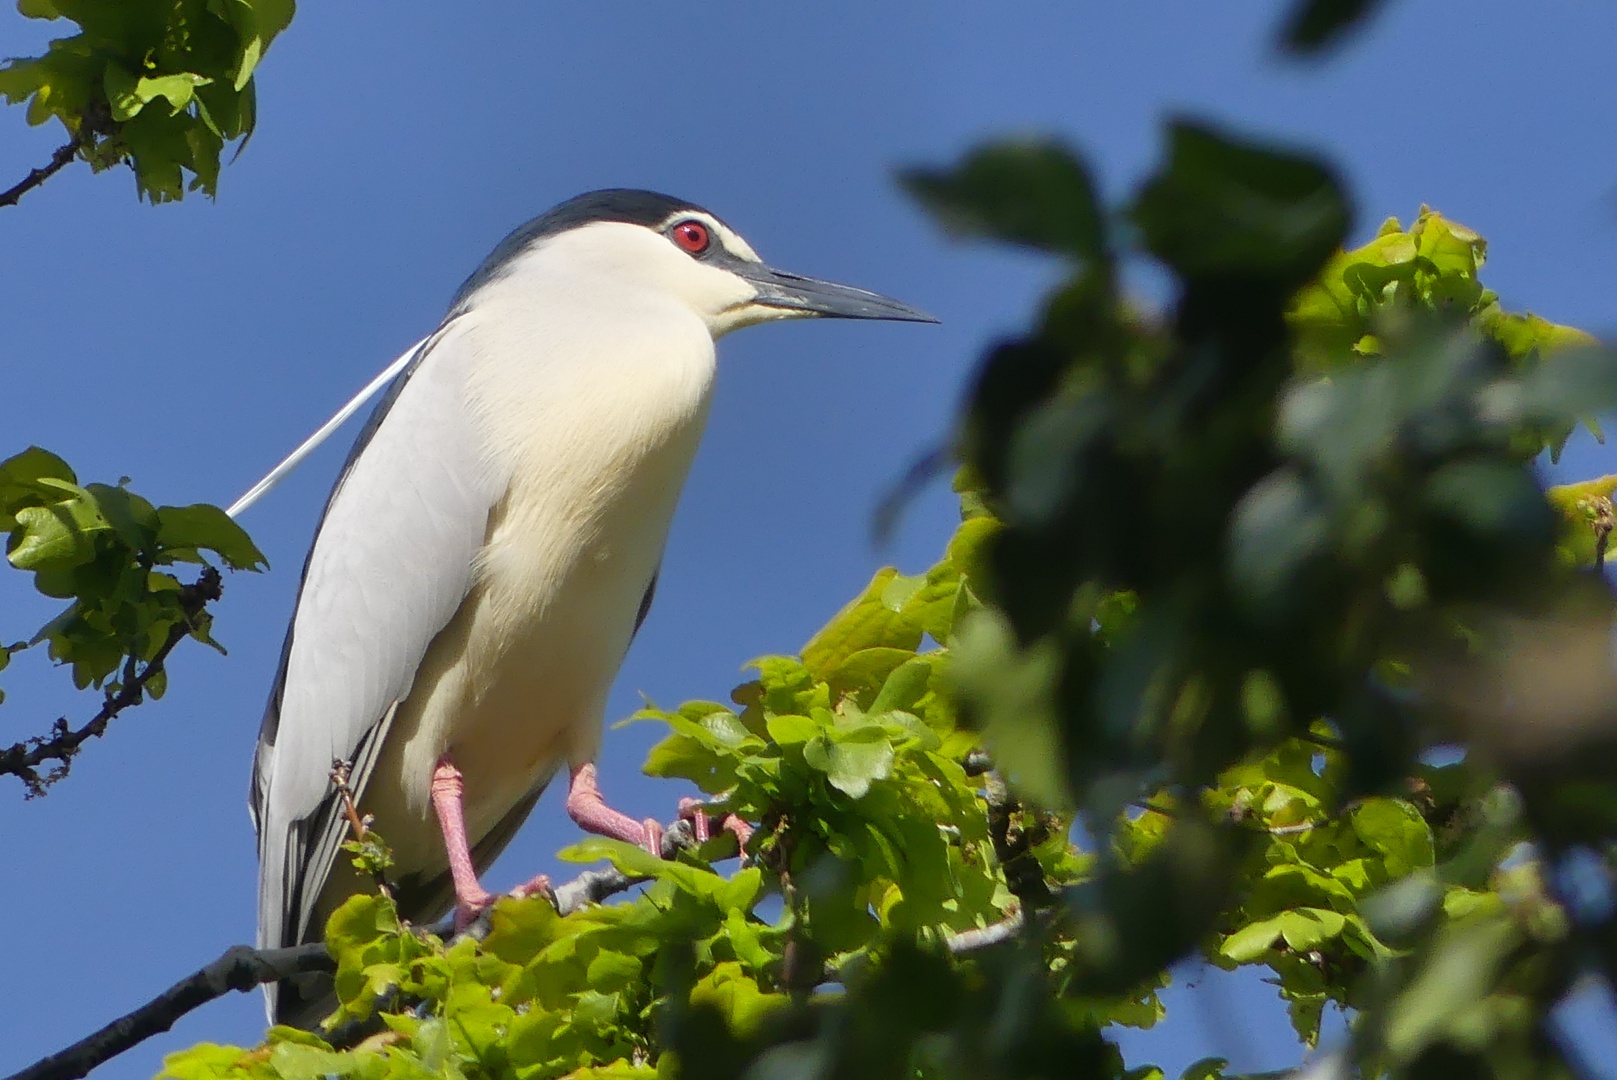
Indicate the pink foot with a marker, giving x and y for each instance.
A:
(695, 812)
(586, 807)
(471, 899)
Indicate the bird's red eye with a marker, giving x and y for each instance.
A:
(691, 236)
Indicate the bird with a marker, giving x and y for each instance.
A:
(490, 549)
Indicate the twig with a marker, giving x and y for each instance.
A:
(969, 941)
(58, 162)
(340, 772)
(23, 759)
(1291, 830)
(239, 968)
(361, 827)
(242, 968)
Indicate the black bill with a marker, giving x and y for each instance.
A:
(792, 292)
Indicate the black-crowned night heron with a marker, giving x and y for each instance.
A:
(491, 548)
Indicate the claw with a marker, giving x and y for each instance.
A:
(691, 810)
(695, 811)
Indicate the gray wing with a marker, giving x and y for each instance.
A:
(392, 560)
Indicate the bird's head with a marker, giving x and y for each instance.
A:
(640, 241)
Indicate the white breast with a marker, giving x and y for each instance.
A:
(596, 421)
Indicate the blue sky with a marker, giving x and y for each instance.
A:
(190, 346)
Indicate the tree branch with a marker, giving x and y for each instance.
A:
(242, 968)
(1013, 844)
(58, 162)
(23, 759)
(239, 968)
(969, 941)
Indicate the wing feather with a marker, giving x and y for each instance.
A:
(393, 558)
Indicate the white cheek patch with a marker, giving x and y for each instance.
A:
(734, 244)
(722, 234)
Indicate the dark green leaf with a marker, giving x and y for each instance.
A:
(1224, 206)
(1035, 193)
(1313, 26)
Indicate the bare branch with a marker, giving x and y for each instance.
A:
(239, 968)
(23, 759)
(58, 162)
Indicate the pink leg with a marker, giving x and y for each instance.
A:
(586, 807)
(447, 792)
(471, 898)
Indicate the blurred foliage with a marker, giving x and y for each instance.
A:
(103, 548)
(1313, 26)
(162, 85)
(1293, 534)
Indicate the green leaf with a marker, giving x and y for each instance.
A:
(905, 686)
(207, 528)
(1252, 941)
(851, 758)
(1035, 193)
(612, 971)
(1312, 26)
(1008, 691)
(1306, 928)
(1223, 206)
(131, 517)
(205, 1061)
(792, 730)
(1454, 975)
(638, 862)
(1206, 1069)
(869, 669)
(737, 998)
(1397, 831)
(23, 482)
(295, 1061)
(875, 619)
(57, 537)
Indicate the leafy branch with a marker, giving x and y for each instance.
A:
(23, 759)
(107, 550)
(162, 87)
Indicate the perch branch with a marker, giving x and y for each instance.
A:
(23, 759)
(241, 968)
